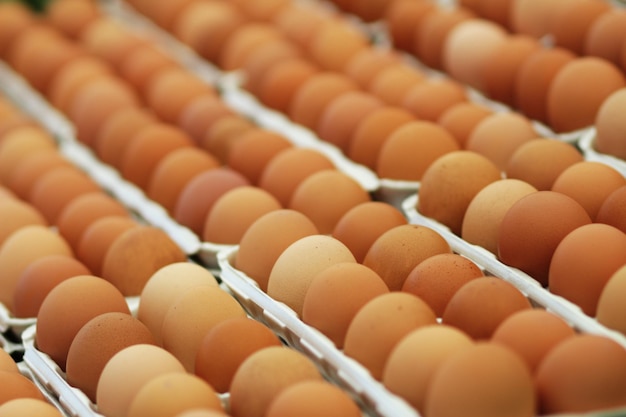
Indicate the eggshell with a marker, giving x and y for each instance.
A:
(57, 325)
(242, 41)
(612, 209)
(334, 43)
(483, 217)
(266, 238)
(146, 61)
(532, 17)
(127, 372)
(232, 341)
(404, 18)
(461, 119)
(201, 413)
(532, 334)
(28, 406)
(539, 162)
(164, 287)
(318, 397)
(200, 113)
(368, 62)
(17, 214)
(572, 104)
(96, 342)
(15, 17)
(164, 14)
(298, 265)
(18, 144)
(109, 39)
(15, 120)
(32, 168)
(262, 10)
(572, 20)
(411, 148)
(574, 376)
(17, 386)
(610, 307)
(428, 100)
(327, 305)
(380, 324)
(264, 375)
(300, 21)
(417, 357)
(589, 183)
(23, 247)
(39, 278)
(7, 363)
(71, 16)
(391, 84)
(451, 182)
(503, 383)
(605, 37)
(220, 137)
(609, 126)
(281, 82)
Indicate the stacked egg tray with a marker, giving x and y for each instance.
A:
(342, 370)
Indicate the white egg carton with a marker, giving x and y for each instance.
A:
(587, 145)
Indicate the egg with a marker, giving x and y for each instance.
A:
(220, 138)
(532, 333)
(28, 406)
(164, 14)
(282, 80)
(266, 238)
(540, 161)
(612, 208)
(135, 255)
(242, 41)
(201, 113)
(300, 21)
(461, 120)
(96, 342)
(145, 63)
(298, 264)
(428, 100)
(404, 18)
(609, 311)
(15, 18)
(71, 16)
(198, 412)
(451, 182)
(32, 167)
(483, 217)
(572, 377)
(17, 214)
(108, 39)
(391, 84)
(19, 144)
(572, 20)
(381, 324)
(232, 341)
(318, 397)
(504, 384)
(334, 43)
(414, 361)
(127, 372)
(533, 18)
(262, 10)
(368, 62)
(326, 306)
(606, 35)
(17, 386)
(7, 363)
(609, 126)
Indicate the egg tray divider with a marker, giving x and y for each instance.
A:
(587, 145)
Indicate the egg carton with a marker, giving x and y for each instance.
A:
(587, 145)
(10, 323)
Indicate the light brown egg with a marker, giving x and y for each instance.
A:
(17, 214)
(451, 182)
(200, 412)
(539, 162)
(39, 278)
(127, 372)
(326, 304)
(300, 21)
(572, 20)
(609, 125)
(262, 10)
(589, 183)
(319, 397)
(572, 104)
(71, 16)
(18, 144)
(15, 17)
(504, 379)
(164, 14)
(109, 40)
(31, 168)
(371, 11)
(428, 100)
(612, 209)
(96, 342)
(532, 334)
(201, 113)
(411, 148)
(225, 132)
(314, 194)
(57, 325)
(568, 384)
(146, 62)
(605, 37)
(29, 406)
(164, 287)
(243, 41)
(404, 19)
(368, 62)
(380, 324)
(334, 43)
(532, 17)
(391, 84)
(20, 249)
(299, 263)
(266, 238)
(233, 341)
(18, 386)
(281, 82)
(533, 227)
(264, 375)
(483, 217)
(610, 306)
(7, 363)
(461, 119)
(417, 357)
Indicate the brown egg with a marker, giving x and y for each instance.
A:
(417, 357)
(539, 162)
(572, 377)
(146, 62)
(532, 17)
(288, 168)
(135, 255)
(430, 99)
(572, 20)
(326, 306)
(404, 18)
(263, 58)
(262, 10)
(303, 260)
(264, 375)
(39, 278)
(610, 306)
(451, 182)
(411, 148)
(164, 287)
(57, 325)
(533, 227)
(147, 148)
(483, 217)
(300, 21)
(319, 397)
(314, 193)
(372, 132)
(71, 16)
(368, 62)
(201, 113)
(266, 238)
(83, 211)
(127, 372)
(31, 168)
(17, 214)
(175, 171)
(23, 247)
(334, 43)
(200, 194)
(7, 363)
(437, 278)
(29, 406)
(18, 144)
(380, 324)
(233, 341)
(572, 104)
(398, 250)
(17, 386)
(253, 150)
(532, 334)
(391, 84)
(281, 82)
(97, 239)
(14, 18)
(371, 11)
(96, 342)
(165, 14)
(609, 125)
(243, 41)
(612, 209)
(169, 394)
(504, 379)
(342, 116)
(605, 37)
(589, 183)
(109, 40)
(188, 320)
(198, 412)
(220, 137)
(461, 119)
(6, 194)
